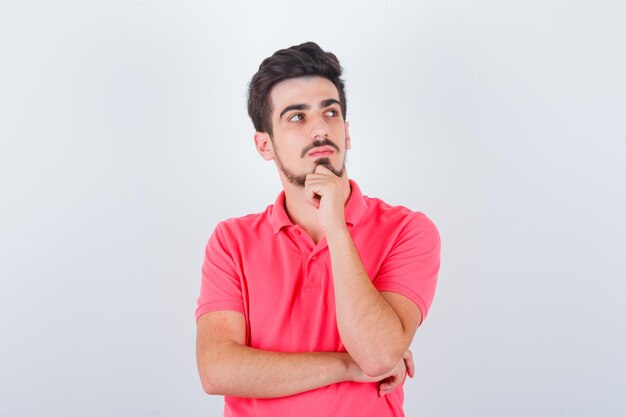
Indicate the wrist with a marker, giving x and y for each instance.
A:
(340, 231)
(352, 370)
(348, 368)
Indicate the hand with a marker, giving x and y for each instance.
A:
(397, 377)
(390, 380)
(326, 192)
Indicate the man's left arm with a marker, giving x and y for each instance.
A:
(375, 327)
(376, 323)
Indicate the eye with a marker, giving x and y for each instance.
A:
(332, 112)
(299, 115)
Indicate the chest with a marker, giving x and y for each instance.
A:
(289, 295)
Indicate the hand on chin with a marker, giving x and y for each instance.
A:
(325, 191)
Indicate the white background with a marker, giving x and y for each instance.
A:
(125, 139)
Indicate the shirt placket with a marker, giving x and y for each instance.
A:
(314, 266)
(311, 253)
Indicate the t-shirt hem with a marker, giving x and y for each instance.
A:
(411, 295)
(218, 306)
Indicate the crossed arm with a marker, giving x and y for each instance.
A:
(228, 367)
(375, 327)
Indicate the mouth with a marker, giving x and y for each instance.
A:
(323, 151)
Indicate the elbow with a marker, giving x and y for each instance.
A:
(209, 384)
(209, 388)
(211, 376)
(213, 369)
(382, 362)
(379, 366)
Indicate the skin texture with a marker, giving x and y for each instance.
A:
(375, 327)
(228, 367)
(374, 332)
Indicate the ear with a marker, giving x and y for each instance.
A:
(264, 145)
(347, 135)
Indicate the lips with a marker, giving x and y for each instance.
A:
(323, 151)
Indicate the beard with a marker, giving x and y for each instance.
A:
(299, 179)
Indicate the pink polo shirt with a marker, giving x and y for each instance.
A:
(269, 270)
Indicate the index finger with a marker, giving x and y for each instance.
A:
(321, 169)
(410, 364)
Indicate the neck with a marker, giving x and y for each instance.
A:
(302, 213)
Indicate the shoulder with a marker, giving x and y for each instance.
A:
(397, 215)
(400, 227)
(246, 226)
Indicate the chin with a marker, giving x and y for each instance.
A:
(324, 161)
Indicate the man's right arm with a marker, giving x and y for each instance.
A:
(228, 367)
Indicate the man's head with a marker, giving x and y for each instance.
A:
(302, 60)
(298, 107)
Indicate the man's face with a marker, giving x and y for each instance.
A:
(308, 128)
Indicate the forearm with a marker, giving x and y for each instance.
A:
(237, 370)
(369, 328)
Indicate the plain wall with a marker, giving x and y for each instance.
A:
(124, 139)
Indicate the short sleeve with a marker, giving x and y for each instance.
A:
(412, 266)
(220, 288)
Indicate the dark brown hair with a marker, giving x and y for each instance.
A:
(297, 61)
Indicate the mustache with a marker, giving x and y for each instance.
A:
(319, 144)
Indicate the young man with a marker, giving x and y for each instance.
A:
(309, 308)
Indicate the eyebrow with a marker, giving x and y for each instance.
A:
(323, 103)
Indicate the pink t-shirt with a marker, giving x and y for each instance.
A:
(269, 270)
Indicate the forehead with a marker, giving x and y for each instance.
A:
(302, 90)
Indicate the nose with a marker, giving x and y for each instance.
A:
(319, 128)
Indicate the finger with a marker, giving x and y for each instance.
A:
(320, 177)
(321, 169)
(395, 379)
(388, 386)
(409, 363)
(315, 202)
(312, 198)
(410, 369)
(320, 184)
(315, 184)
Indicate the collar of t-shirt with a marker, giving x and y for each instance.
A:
(355, 209)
